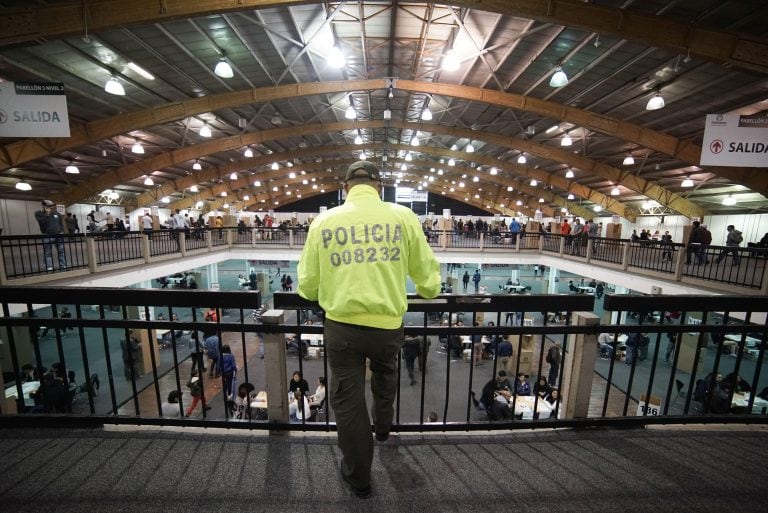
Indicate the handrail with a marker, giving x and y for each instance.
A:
(22, 259)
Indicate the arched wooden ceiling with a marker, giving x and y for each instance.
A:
(43, 23)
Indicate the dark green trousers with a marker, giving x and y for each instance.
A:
(348, 346)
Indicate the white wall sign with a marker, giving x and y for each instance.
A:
(734, 140)
(33, 109)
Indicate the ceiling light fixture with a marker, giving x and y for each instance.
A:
(223, 194)
(629, 160)
(426, 114)
(223, 69)
(534, 183)
(387, 114)
(566, 140)
(113, 195)
(275, 166)
(141, 71)
(569, 173)
(729, 200)
(408, 157)
(656, 102)
(571, 197)
(257, 183)
(165, 199)
(193, 189)
(615, 191)
(521, 159)
(137, 148)
(248, 153)
(205, 130)
(469, 148)
(350, 113)
(197, 166)
(72, 169)
(23, 186)
(114, 87)
(450, 61)
(149, 182)
(336, 57)
(553, 128)
(358, 139)
(559, 78)
(415, 141)
(687, 182)
(246, 197)
(494, 171)
(363, 156)
(451, 162)
(597, 208)
(233, 176)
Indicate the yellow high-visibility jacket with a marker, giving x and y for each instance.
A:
(357, 259)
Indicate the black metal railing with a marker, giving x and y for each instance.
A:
(744, 268)
(82, 333)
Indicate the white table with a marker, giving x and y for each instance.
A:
(515, 288)
(742, 401)
(313, 339)
(524, 406)
(26, 389)
(260, 401)
(586, 290)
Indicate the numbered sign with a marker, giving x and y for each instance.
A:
(650, 407)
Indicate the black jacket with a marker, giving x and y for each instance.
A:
(50, 224)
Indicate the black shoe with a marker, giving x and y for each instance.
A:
(382, 437)
(361, 493)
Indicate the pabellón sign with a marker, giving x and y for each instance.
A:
(734, 140)
(33, 109)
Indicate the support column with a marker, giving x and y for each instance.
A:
(578, 368)
(213, 277)
(554, 275)
(275, 370)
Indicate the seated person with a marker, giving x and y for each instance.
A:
(298, 383)
(316, 400)
(553, 396)
(170, 408)
(298, 407)
(245, 395)
(737, 383)
(29, 374)
(494, 409)
(606, 342)
(292, 343)
(522, 387)
(541, 387)
(572, 287)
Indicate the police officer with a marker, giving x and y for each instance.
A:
(52, 226)
(355, 263)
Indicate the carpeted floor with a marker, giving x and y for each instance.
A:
(658, 470)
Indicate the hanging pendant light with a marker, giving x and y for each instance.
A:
(205, 131)
(569, 173)
(629, 160)
(559, 78)
(571, 197)
(149, 182)
(358, 139)
(223, 69)
(687, 182)
(534, 183)
(336, 58)
(114, 87)
(521, 159)
(566, 140)
(72, 169)
(615, 191)
(23, 186)
(728, 201)
(426, 115)
(350, 113)
(197, 166)
(193, 189)
(450, 61)
(248, 153)
(137, 148)
(469, 148)
(656, 102)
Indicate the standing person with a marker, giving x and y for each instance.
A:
(212, 352)
(577, 232)
(110, 222)
(667, 247)
(52, 227)
(694, 240)
(476, 280)
(554, 358)
(364, 300)
(732, 241)
(146, 224)
(130, 348)
(288, 283)
(228, 371)
(198, 395)
(706, 240)
(465, 280)
(411, 351)
(71, 223)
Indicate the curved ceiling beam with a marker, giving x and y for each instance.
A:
(130, 172)
(223, 172)
(18, 152)
(442, 183)
(56, 21)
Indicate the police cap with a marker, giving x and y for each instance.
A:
(362, 169)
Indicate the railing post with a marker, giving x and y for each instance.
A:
(590, 240)
(253, 237)
(579, 367)
(680, 255)
(145, 247)
(562, 245)
(625, 256)
(290, 238)
(275, 370)
(541, 244)
(230, 238)
(182, 242)
(90, 250)
(763, 287)
(3, 276)
(209, 236)
(482, 240)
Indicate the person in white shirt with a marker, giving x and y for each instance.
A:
(316, 399)
(605, 341)
(146, 224)
(296, 412)
(171, 409)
